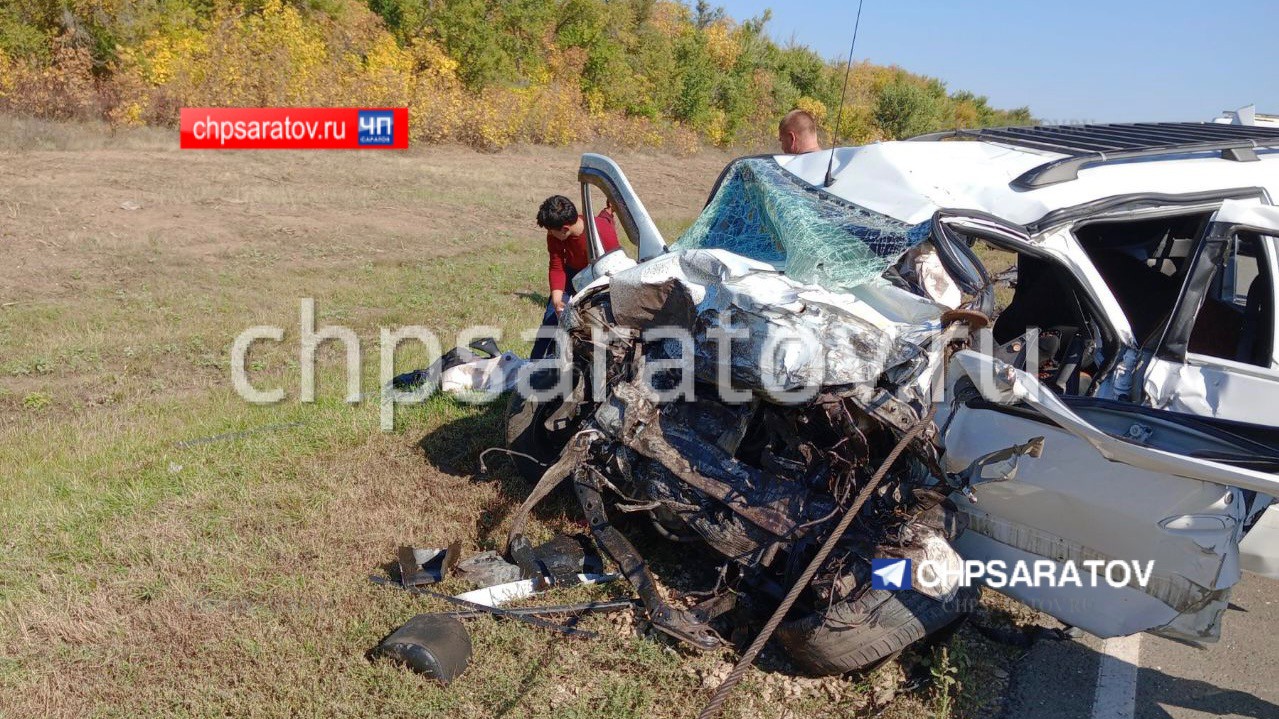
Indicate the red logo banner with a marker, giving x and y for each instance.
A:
(295, 128)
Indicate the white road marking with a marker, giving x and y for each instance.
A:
(1116, 695)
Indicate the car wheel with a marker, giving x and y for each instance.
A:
(526, 431)
(859, 633)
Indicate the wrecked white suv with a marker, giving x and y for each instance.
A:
(1111, 394)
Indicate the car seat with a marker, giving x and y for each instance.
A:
(1258, 322)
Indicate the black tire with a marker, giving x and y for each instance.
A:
(856, 634)
(526, 430)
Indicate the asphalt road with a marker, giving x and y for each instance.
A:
(1237, 677)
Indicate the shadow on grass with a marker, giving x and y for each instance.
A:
(455, 448)
(534, 298)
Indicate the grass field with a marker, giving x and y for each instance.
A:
(168, 549)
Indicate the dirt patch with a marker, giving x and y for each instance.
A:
(118, 217)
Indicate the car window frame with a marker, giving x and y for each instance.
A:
(1206, 260)
(1269, 245)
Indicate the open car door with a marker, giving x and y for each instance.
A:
(1113, 481)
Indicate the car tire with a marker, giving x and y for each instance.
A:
(858, 633)
(526, 431)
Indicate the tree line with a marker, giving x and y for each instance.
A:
(482, 72)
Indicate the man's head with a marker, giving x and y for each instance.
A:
(797, 132)
(558, 216)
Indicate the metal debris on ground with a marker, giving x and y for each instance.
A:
(437, 644)
(487, 569)
(487, 609)
(500, 594)
(419, 567)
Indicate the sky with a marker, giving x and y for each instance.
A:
(1081, 61)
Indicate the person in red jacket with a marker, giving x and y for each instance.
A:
(566, 245)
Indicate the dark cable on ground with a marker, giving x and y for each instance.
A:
(839, 118)
(722, 692)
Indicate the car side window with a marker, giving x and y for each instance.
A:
(1144, 263)
(1236, 320)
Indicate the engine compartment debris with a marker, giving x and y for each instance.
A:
(765, 483)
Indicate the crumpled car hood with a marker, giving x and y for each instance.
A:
(788, 335)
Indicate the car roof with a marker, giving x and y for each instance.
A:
(910, 180)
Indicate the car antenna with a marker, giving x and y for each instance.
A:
(834, 138)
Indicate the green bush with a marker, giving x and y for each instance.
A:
(905, 109)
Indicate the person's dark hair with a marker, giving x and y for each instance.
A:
(556, 212)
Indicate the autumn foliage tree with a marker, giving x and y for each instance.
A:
(483, 72)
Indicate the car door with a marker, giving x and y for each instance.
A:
(1113, 481)
(1218, 357)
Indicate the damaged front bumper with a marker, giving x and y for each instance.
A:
(732, 406)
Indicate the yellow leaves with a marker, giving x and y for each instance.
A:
(492, 121)
(7, 75)
(387, 56)
(669, 18)
(437, 102)
(567, 81)
(715, 126)
(542, 114)
(554, 114)
(275, 57)
(595, 103)
(721, 44)
(62, 88)
(814, 107)
(635, 132)
(435, 110)
(286, 53)
(386, 75)
(160, 57)
(431, 62)
(129, 114)
(966, 114)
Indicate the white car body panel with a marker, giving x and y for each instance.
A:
(912, 180)
(1248, 212)
(1092, 496)
(1213, 387)
(1012, 385)
(1256, 551)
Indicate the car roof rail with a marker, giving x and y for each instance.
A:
(1091, 145)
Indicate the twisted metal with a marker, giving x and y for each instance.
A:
(722, 692)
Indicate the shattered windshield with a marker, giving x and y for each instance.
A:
(763, 212)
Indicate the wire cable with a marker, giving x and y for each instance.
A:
(716, 702)
(839, 118)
